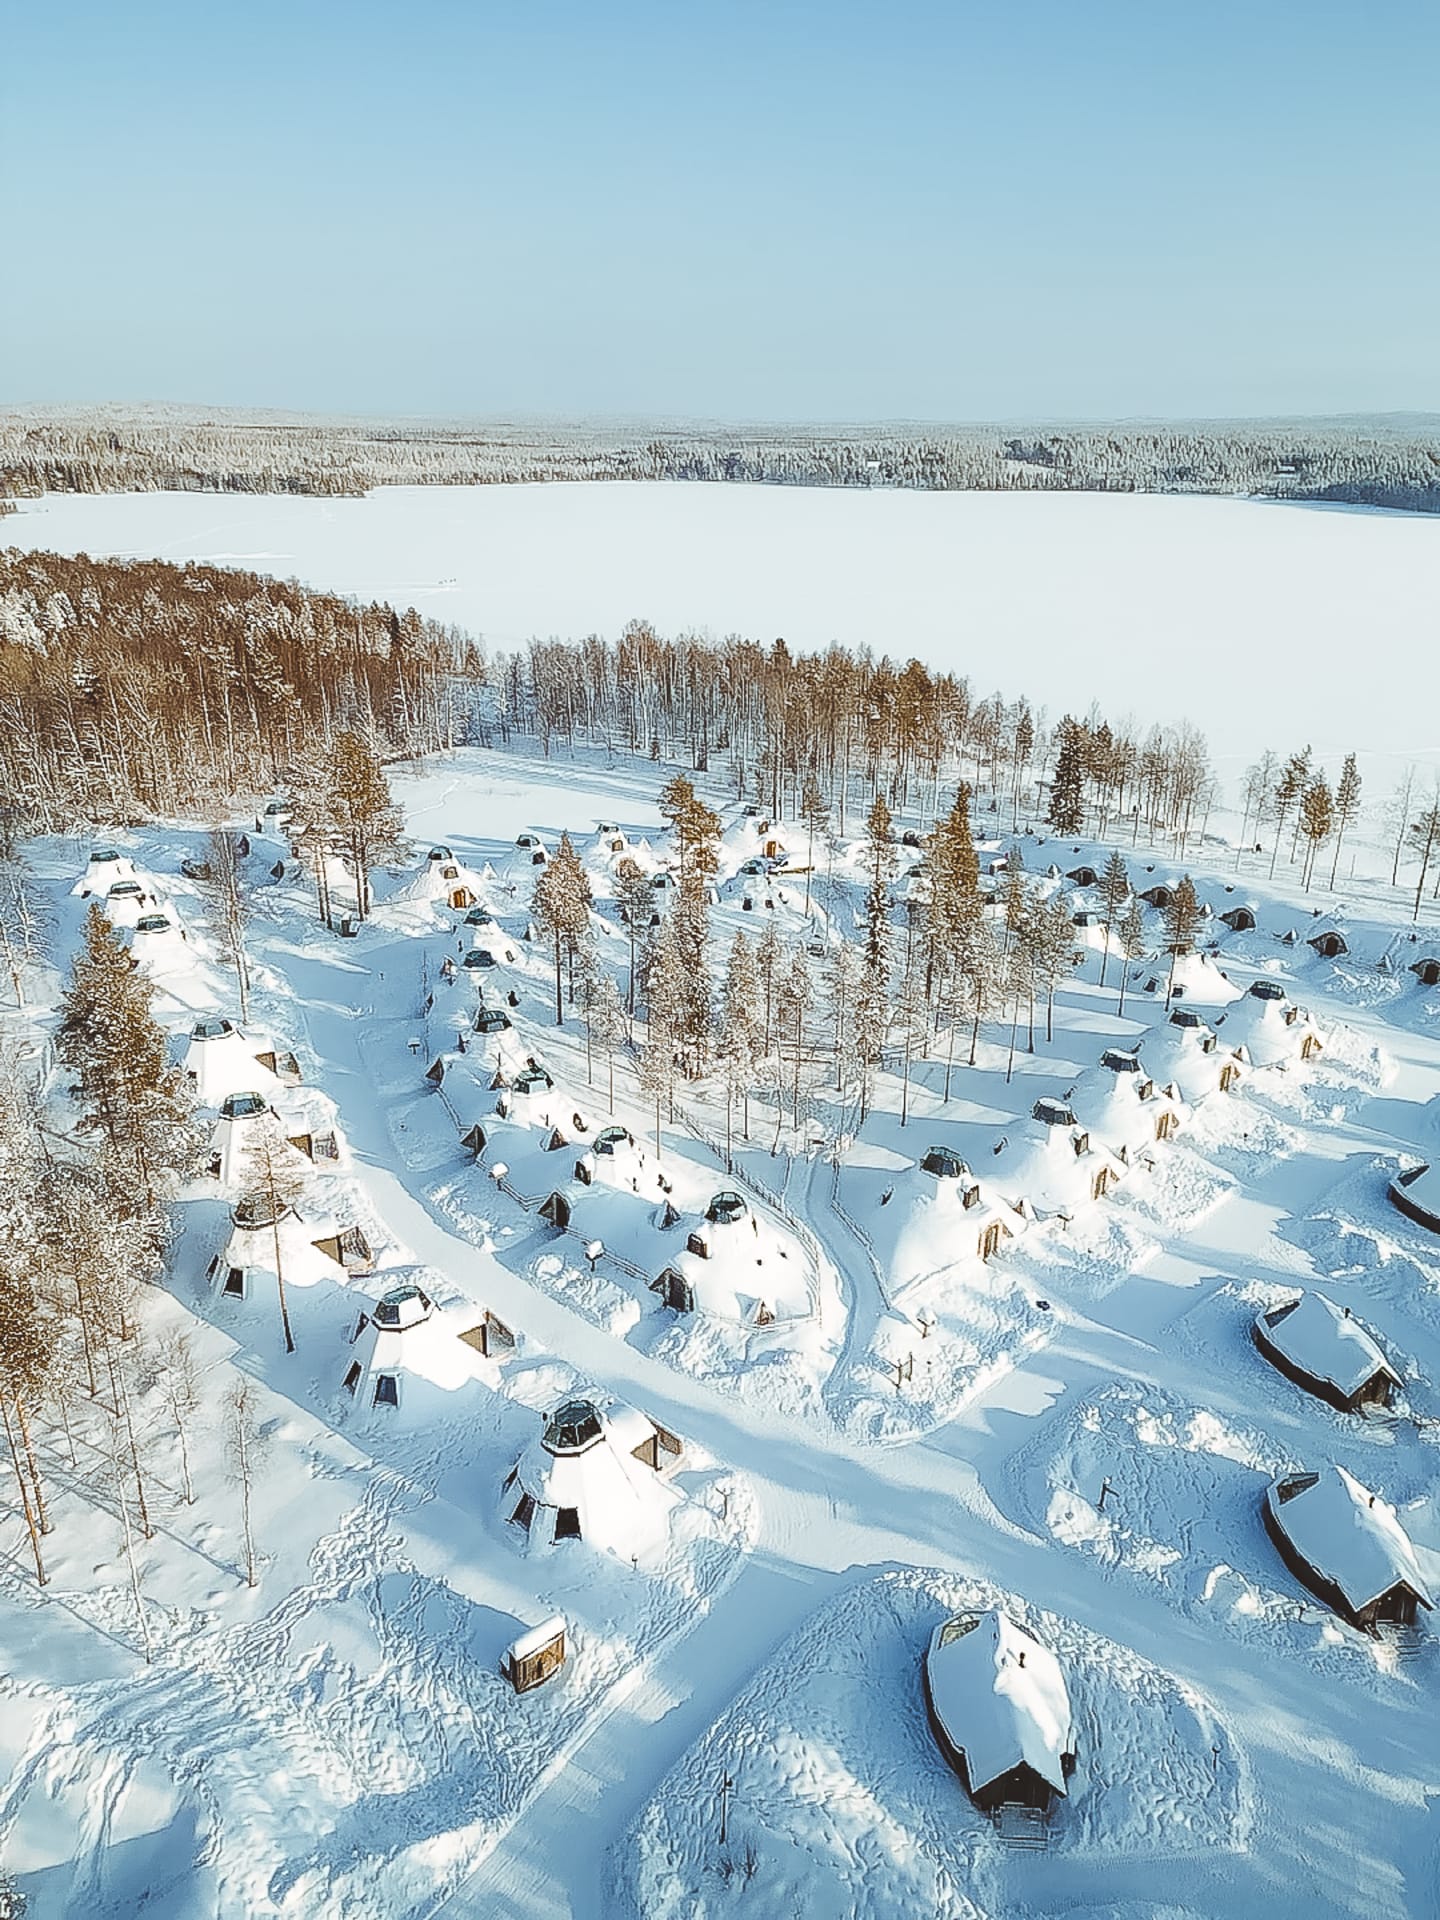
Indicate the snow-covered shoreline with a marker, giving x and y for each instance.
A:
(1244, 617)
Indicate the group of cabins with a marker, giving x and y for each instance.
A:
(133, 903)
(711, 1252)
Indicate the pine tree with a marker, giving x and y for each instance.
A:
(768, 957)
(1288, 789)
(225, 889)
(274, 1174)
(841, 981)
(111, 1040)
(635, 900)
(1054, 953)
(1182, 917)
(1132, 941)
(1317, 822)
(1114, 892)
(797, 992)
(1347, 807)
(872, 1024)
(605, 1016)
(359, 811)
(742, 1036)
(561, 905)
(1066, 813)
(815, 811)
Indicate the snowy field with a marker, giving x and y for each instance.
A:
(1083, 1436)
(1079, 1429)
(1240, 616)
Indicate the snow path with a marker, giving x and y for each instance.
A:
(831, 1511)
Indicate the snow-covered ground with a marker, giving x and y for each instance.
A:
(1237, 615)
(1079, 1428)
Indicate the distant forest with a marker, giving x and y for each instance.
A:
(1375, 462)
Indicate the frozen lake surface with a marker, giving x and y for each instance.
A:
(1266, 624)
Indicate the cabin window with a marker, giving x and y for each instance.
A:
(524, 1512)
(990, 1240)
(352, 1378)
(696, 1244)
(387, 1390)
(235, 1282)
(763, 1315)
(567, 1523)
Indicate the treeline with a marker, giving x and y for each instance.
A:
(847, 725)
(131, 688)
(1378, 463)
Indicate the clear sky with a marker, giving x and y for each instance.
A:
(766, 209)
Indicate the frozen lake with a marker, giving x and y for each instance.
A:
(1265, 624)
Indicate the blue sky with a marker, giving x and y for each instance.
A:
(765, 211)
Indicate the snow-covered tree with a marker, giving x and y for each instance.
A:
(274, 1173)
(1066, 812)
(1424, 838)
(25, 920)
(635, 902)
(1131, 936)
(561, 905)
(245, 1446)
(606, 1023)
(741, 1036)
(226, 892)
(1114, 892)
(1182, 918)
(1347, 807)
(797, 993)
(1317, 822)
(352, 808)
(109, 1037)
(178, 1377)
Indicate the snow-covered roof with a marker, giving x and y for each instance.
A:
(582, 1479)
(221, 1063)
(1417, 1193)
(405, 1339)
(747, 1271)
(1349, 1535)
(438, 878)
(1185, 1051)
(105, 866)
(1000, 1698)
(1268, 1027)
(1324, 1342)
(1198, 979)
(1049, 1163)
(249, 1250)
(937, 1213)
(1120, 1104)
